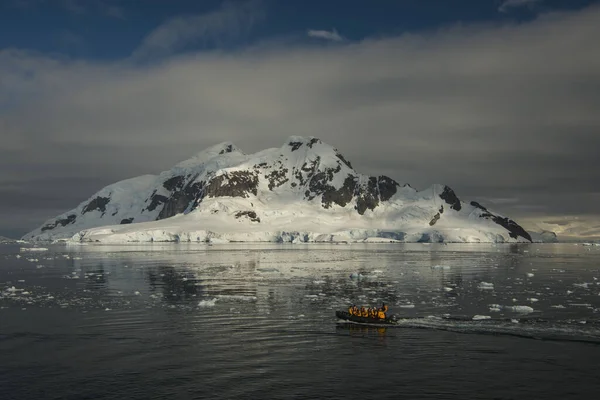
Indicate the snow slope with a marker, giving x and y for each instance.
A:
(305, 191)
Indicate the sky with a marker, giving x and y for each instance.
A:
(497, 99)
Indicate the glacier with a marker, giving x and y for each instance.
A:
(305, 191)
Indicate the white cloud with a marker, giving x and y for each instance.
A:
(493, 111)
(231, 20)
(327, 35)
(507, 5)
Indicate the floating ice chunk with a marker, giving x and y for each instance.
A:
(569, 291)
(356, 275)
(136, 293)
(495, 307)
(485, 286)
(558, 306)
(530, 275)
(514, 321)
(267, 269)
(33, 249)
(318, 282)
(406, 305)
(207, 303)
(521, 309)
(107, 309)
(18, 256)
(532, 299)
(236, 297)
(582, 285)
(448, 289)
(480, 317)
(440, 267)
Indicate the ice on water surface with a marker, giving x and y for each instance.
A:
(468, 288)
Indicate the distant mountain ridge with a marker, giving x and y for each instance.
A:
(304, 191)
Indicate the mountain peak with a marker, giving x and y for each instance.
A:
(210, 153)
(305, 186)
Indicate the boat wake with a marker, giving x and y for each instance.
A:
(531, 328)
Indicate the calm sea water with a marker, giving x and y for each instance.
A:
(257, 321)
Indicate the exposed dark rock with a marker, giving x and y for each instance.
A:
(277, 178)
(227, 149)
(449, 197)
(367, 197)
(234, 184)
(173, 183)
(250, 214)
(182, 199)
(99, 203)
(387, 187)
(341, 196)
(157, 200)
(313, 141)
(435, 219)
(309, 168)
(62, 222)
(294, 184)
(514, 230)
(295, 145)
(127, 221)
(341, 157)
(441, 209)
(476, 204)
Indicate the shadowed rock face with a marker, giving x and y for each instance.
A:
(157, 200)
(434, 219)
(249, 214)
(341, 196)
(234, 184)
(367, 197)
(341, 157)
(277, 178)
(514, 230)
(313, 141)
(181, 199)
(319, 185)
(227, 149)
(99, 203)
(387, 187)
(295, 145)
(449, 197)
(127, 221)
(174, 183)
(62, 222)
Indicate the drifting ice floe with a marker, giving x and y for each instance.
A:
(207, 303)
(485, 286)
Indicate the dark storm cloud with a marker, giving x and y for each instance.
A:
(494, 111)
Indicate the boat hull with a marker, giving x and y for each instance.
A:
(364, 320)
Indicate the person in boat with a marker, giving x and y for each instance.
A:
(381, 311)
(351, 309)
(364, 312)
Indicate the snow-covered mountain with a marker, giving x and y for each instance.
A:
(304, 191)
